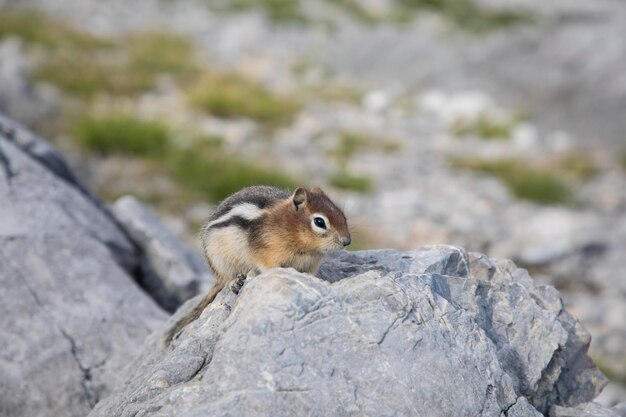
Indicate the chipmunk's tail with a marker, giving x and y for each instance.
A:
(193, 315)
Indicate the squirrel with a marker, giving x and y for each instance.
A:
(263, 227)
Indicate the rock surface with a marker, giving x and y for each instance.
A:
(434, 332)
(71, 313)
(171, 273)
(589, 410)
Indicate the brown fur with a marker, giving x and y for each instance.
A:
(278, 235)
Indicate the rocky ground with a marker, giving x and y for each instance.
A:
(435, 331)
(505, 142)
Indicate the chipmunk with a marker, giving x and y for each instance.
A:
(263, 227)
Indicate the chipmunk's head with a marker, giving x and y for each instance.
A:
(323, 226)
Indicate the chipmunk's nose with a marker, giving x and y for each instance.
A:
(346, 241)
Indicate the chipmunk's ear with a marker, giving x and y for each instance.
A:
(318, 190)
(299, 198)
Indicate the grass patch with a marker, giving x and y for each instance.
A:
(577, 164)
(347, 181)
(157, 52)
(83, 65)
(232, 96)
(130, 67)
(355, 10)
(278, 11)
(335, 93)
(216, 175)
(35, 28)
(121, 134)
(467, 14)
(622, 159)
(486, 128)
(530, 183)
(86, 75)
(351, 142)
(202, 168)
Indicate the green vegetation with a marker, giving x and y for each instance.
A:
(232, 96)
(334, 93)
(357, 11)
(486, 128)
(347, 181)
(202, 168)
(121, 134)
(328, 90)
(525, 181)
(85, 65)
(577, 164)
(130, 66)
(347, 145)
(85, 75)
(467, 14)
(622, 159)
(156, 52)
(216, 175)
(35, 28)
(350, 142)
(278, 11)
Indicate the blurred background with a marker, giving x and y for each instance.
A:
(497, 125)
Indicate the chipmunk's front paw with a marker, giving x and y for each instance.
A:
(238, 283)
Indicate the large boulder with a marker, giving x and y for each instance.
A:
(435, 332)
(170, 272)
(71, 312)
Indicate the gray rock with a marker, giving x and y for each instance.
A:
(40, 150)
(589, 410)
(72, 316)
(432, 332)
(171, 273)
(40, 195)
(522, 408)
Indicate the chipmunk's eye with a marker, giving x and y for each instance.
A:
(319, 222)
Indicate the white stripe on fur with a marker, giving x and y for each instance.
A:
(248, 211)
